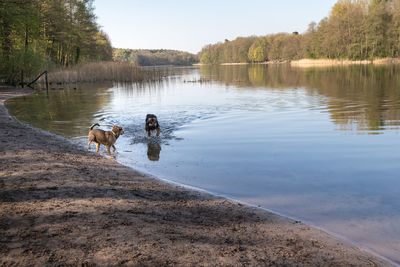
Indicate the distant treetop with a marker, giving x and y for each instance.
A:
(154, 57)
(355, 30)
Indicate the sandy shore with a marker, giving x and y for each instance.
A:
(307, 63)
(310, 63)
(63, 205)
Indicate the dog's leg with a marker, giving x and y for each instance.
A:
(158, 131)
(108, 150)
(114, 148)
(88, 144)
(97, 147)
(148, 133)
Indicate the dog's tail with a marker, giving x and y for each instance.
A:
(96, 124)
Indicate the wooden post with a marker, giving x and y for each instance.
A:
(22, 78)
(37, 78)
(47, 84)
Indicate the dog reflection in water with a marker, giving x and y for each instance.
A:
(153, 151)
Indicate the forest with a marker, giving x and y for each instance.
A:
(354, 29)
(44, 34)
(154, 57)
(49, 34)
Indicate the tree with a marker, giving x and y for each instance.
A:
(355, 29)
(258, 51)
(39, 33)
(376, 26)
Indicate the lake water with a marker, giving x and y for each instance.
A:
(319, 145)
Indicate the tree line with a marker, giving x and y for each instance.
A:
(38, 34)
(154, 57)
(354, 29)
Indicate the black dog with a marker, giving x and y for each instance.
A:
(152, 124)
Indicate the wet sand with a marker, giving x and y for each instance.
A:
(63, 205)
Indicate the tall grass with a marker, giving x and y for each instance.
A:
(102, 72)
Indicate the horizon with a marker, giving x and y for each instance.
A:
(159, 24)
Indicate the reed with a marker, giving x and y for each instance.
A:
(103, 72)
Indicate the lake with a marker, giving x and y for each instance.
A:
(319, 145)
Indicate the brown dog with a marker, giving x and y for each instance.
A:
(152, 124)
(107, 138)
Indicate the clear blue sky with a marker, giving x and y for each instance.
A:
(189, 25)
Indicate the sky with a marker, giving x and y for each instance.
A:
(189, 25)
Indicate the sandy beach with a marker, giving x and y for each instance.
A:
(310, 63)
(61, 204)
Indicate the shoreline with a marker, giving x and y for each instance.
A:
(61, 204)
(310, 63)
(307, 63)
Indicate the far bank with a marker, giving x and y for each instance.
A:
(306, 62)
